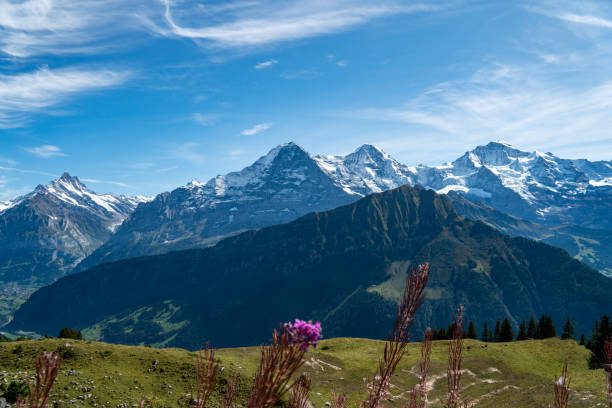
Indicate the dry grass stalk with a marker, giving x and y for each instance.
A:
(229, 394)
(562, 390)
(206, 375)
(299, 393)
(278, 364)
(395, 347)
(455, 360)
(47, 369)
(608, 369)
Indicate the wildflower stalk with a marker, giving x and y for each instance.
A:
(608, 370)
(299, 393)
(395, 347)
(47, 369)
(229, 394)
(562, 390)
(338, 400)
(455, 360)
(418, 396)
(207, 371)
(280, 361)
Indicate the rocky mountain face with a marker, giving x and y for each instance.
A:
(540, 192)
(278, 188)
(345, 267)
(44, 234)
(534, 186)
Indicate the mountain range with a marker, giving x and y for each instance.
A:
(45, 234)
(547, 198)
(345, 267)
(64, 227)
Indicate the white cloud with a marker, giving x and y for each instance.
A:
(45, 151)
(256, 129)
(114, 183)
(266, 64)
(204, 119)
(507, 103)
(40, 27)
(342, 63)
(27, 93)
(585, 19)
(277, 21)
(303, 74)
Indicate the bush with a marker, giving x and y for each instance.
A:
(14, 390)
(67, 333)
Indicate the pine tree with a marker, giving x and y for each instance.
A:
(67, 333)
(485, 332)
(546, 328)
(506, 334)
(602, 331)
(522, 334)
(568, 330)
(471, 331)
(532, 330)
(582, 340)
(497, 331)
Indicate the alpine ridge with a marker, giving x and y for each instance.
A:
(564, 200)
(46, 233)
(345, 267)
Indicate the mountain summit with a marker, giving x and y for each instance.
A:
(288, 182)
(45, 233)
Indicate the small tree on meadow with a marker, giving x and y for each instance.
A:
(568, 330)
(532, 329)
(546, 328)
(471, 332)
(505, 333)
(67, 333)
(485, 332)
(497, 332)
(522, 334)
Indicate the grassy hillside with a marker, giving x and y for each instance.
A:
(497, 375)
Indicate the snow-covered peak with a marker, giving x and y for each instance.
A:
(5, 205)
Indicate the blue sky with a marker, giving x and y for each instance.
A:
(140, 96)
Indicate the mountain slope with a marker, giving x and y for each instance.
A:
(555, 196)
(591, 246)
(279, 187)
(44, 234)
(344, 267)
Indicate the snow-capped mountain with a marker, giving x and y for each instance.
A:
(45, 233)
(289, 182)
(536, 186)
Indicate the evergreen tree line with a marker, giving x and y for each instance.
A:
(601, 331)
(503, 332)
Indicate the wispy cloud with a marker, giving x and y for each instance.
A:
(41, 27)
(278, 21)
(45, 151)
(303, 74)
(114, 183)
(27, 93)
(26, 171)
(506, 103)
(585, 19)
(256, 129)
(188, 151)
(266, 64)
(204, 119)
(342, 63)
